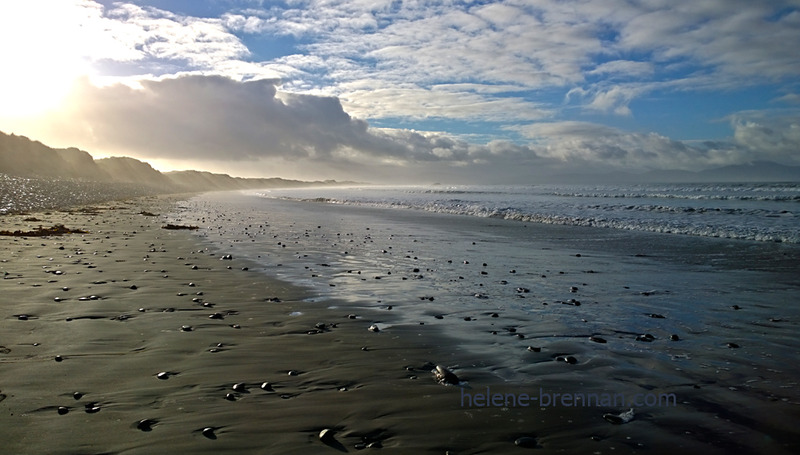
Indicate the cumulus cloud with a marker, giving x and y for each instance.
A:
(757, 137)
(216, 118)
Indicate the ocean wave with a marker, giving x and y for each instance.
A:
(734, 220)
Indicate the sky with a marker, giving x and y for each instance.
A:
(418, 91)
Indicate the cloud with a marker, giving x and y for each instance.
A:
(771, 136)
(216, 118)
(758, 136)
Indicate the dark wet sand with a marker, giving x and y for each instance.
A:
(147, 317)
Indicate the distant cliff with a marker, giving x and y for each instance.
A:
(22, 157)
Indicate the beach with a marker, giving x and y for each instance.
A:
(267, 325)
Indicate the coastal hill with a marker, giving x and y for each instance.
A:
(22, 157)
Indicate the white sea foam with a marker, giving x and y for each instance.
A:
(761, 212)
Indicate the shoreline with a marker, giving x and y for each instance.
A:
(385, 395)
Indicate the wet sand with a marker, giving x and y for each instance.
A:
(137, 339)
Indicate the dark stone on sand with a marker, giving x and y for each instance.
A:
(326, 436)
(63, 410)
(374, 328)
(656, 315)
(134, 287)
(146, 424)
(22, 317)
(77, 395)
(619, 419)
(674, 337)
(646, 337)
(163, 375)
(567, 358)
(267, 386)
(293, 373)
(526, 442)
(733, 345)
(444, 376)
(216, 316)
(534, 349)
(186, 328)
(58, 358)
(208, 432)
(230, 397)
(91, 408)
(597, 339)
(239, 387)
(736, 307)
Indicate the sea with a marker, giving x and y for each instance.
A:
(689, 290)
(763, 212)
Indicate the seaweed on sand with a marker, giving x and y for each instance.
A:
(179, 226)
(58, 229)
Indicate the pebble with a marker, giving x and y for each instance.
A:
(567, 358)
(534, 349)
(230, 397)
(92, 408)
(597, 339)
(619, 419)
(267, 386)
(733, 345)
(163, 375)
(674, 337)
(444, 376)
(209, 433)
(145, 424)
(58, 358)
(526, 442)
(374, 328)
(239, 387)
(645, 337)
(63, 410)
(186, 328)
(326, 435)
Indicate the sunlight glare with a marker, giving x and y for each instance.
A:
(41, 55)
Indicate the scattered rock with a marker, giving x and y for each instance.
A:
(444, 376)
(526, 442)
(619, 419)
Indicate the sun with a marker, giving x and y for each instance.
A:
(42, 54)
